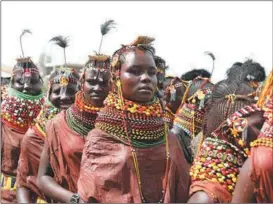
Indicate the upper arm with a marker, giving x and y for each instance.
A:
(44, 167)
(244, 188)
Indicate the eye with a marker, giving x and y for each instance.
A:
(20, 81)
(91, 82)
(153, 71)
(56, 91)
(134, 71)
(71, 91)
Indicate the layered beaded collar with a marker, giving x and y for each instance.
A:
(169, 117)
(19, 110)
(189, 118)
(81, 116)
(48, 112)
(145, 121)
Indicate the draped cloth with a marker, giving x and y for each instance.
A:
(108, 175)
(10, 151)
(262, 158)
(27, 172)
(262, 173)
(65, 148)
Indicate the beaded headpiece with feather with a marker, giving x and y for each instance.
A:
(63, 75)
(25, 64)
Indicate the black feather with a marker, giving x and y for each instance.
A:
(61, 41)
(25, 31)
(107, 26)
(21, 44)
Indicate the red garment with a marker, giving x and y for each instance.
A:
(108, 175)
(262, 173)
(27, 172)
(10, 151)
(65, 148)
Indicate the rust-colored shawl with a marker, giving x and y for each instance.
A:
(108, 176)
(65, 148)
(27, 172)
(10, 152)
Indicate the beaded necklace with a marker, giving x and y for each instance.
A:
(81, 115)
(189, 119)
(136, 125)
(48, 112)
(4, 89)
(19, 110)
(145, 121)
(169, 117)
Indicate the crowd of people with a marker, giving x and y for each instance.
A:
(122, 131)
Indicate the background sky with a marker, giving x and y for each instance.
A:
(233, 31)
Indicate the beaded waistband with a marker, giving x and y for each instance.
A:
(8, 182)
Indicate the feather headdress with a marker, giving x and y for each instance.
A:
(104, 29)
(25, 64)
(63, 42)
(63, 75)
(213, 61)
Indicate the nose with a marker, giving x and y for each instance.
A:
(64, 95)
(27, 87)
(145, 78)
(97, 88)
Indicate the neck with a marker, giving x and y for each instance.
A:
(81, 115)
(48, 112)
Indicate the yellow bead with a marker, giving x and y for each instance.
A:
(219, 175)
(230, 187)
(214, 179)
(234, 180)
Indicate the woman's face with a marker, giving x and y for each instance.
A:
(96, 86)
(31, 85)
(63, 97)
(138, 76)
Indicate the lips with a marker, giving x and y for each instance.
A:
(146, 88)
(96, 96)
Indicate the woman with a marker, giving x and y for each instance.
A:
(256, 176)
(190, 113)
(161, 71)
(129, 156)
(173, 95)
(33, 141)
(230, 116)
(60, 160)
(18, 110)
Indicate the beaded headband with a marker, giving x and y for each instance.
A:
(64, 76)
(97, 62)
(141, 41)
(27, 66)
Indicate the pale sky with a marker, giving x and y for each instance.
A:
(233, 31)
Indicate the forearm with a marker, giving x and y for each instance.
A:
(53, 190)
(23, 195)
